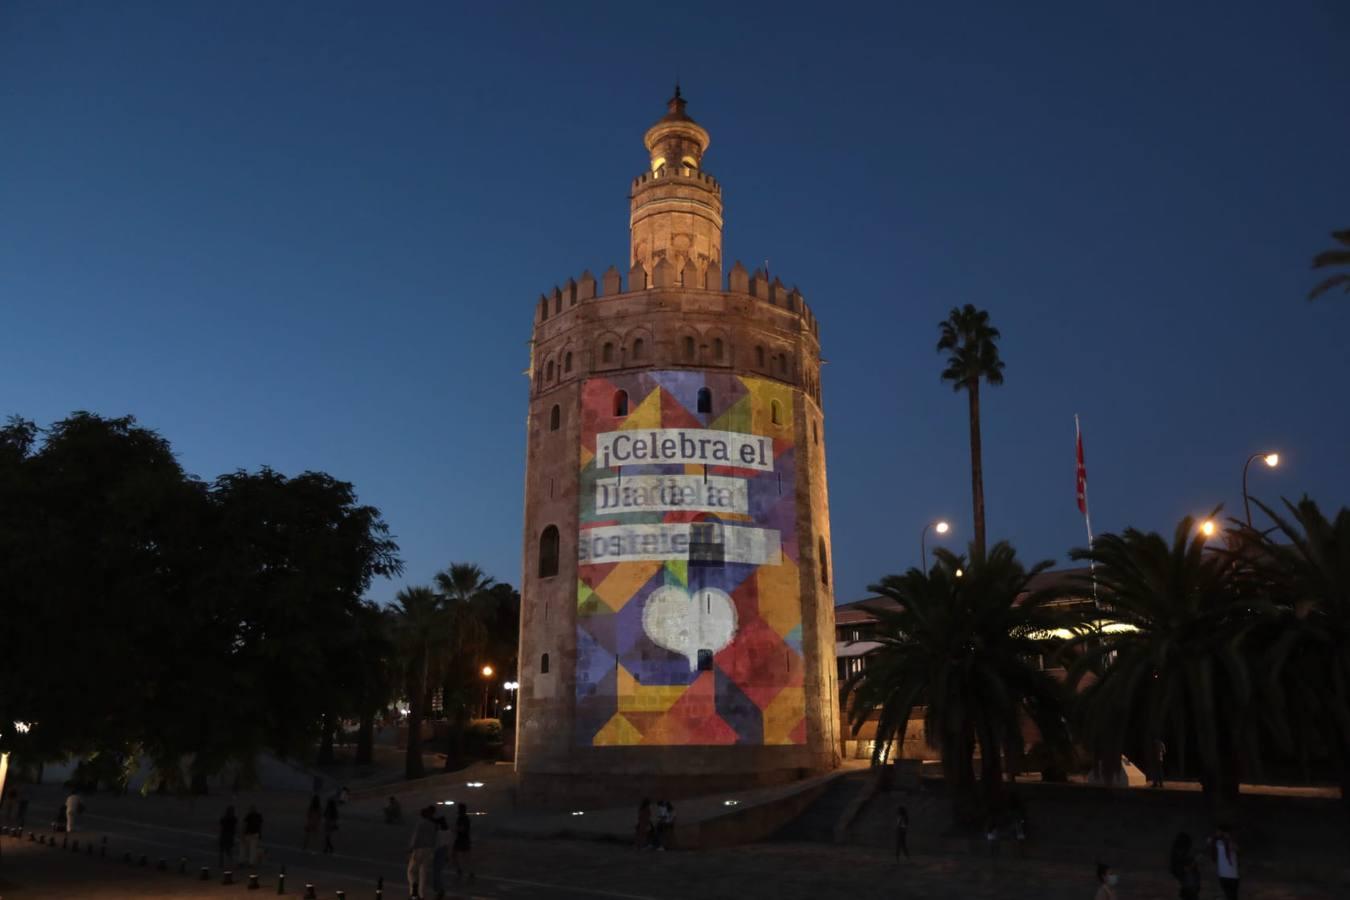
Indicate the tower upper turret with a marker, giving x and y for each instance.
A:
(676, 206)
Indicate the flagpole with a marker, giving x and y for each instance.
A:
(1087, 514)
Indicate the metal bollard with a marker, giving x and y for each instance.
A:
(310, 893)
(281, 881)
(341, 895)
(182, 865)
(227, 877)
(103, 846)
(206, 874)
(379, 888)
(253, 883)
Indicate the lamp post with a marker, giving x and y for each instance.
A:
(1208, 528)
(941, 527)
(486, 672)
(1271, 459)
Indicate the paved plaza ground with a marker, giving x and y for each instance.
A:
(512, 866)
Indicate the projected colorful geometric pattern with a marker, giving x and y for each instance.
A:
(688, 609)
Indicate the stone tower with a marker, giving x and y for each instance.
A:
(677, 624)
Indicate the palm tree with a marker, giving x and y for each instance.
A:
(1336, 256)
(464, 591)
(420, 633)
(1306, 569)
(970, 340)
(961, 646)
(1176, 665)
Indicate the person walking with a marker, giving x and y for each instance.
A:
(228, 825)
(420, 850)
(901, 832)
(330, 824)
(252, 835)
(1226, 860)
(440, 857)
(73, 808)
(462, 852)
(1185, 867)
(313, 818)
(662, 824)
(1106, 883)
(643, 835)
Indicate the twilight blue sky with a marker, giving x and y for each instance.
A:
(310, 235)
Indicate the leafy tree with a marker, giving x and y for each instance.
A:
(463, 588)
(962, 645)
(1179, 669)
(970, 341)
(1304, 567)
(1336, 256)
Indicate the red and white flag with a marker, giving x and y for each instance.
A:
(1082, 469)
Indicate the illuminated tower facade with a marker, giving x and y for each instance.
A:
(677, 630)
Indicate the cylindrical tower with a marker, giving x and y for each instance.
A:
(677, 624)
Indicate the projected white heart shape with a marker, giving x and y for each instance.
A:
(684, 624)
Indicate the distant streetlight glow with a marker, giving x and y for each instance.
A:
(959, 573)
(1208, 528)
(1271, 459)
(941, 526)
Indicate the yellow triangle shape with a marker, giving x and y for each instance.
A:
(618, 732)
(647, 414)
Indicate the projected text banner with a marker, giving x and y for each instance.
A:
(689, 621)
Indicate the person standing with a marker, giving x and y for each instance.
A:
(420, 850)
(1185, 867)
(252, 835)
(440, 858)
(1159, 757)
(313, 818)
(73, 809)
(330, 824)
(228, 826)
(462, 853)
(1106, 882)
(901, 832)
(1226, 860)
(662, 824)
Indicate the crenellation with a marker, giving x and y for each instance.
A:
(613, 282)
(759, 285)
(570, 292)
(739, 280)
(557, 300)
(663, 274)
(712, 277)
(637, 278)
(586, 286)
(689, 275)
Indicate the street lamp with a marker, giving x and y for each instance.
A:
(941, 527)
(1208, 528)
(1271, 459)
(487, 673)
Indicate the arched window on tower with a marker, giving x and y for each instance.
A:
(548, 370)
(567, 362)
(620, 403)
(555, 418)
(639, 348)
(689, 348)
(543, 664)
(717, 349)
(824, 562)
(775, 412)
(607, 353)
(548, 552)
(759, 357)
(704, 400)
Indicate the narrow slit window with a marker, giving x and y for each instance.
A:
(718, 349)
(555, 418)
(688, 348)
(607, 353)
(639, 347)
(548, 370)
(543, 664)
(620, 403)
(548, 552)
(824, 563)
(775, 412)
(705, 660)
(567, 362)
(704, 400)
